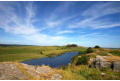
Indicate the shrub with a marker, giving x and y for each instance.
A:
(97, 46)
(82, 52)
(41, 52)
(89, 50)
(92, 56)
(115, 52)
(103, 53)
(82, 60)
(71, 45)
(74, 60)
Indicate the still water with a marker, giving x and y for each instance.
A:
(57, 61)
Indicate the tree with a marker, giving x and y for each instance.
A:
(97, 46)
(71, 45)
(89, 50)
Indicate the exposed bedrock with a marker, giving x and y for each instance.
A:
(103, 62)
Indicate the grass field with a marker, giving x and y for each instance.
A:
(20, 53)
(83, 72)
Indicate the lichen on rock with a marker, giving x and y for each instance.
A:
(20, 71)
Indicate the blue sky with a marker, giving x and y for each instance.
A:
(60, 23)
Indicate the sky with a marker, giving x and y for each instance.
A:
(49, 23)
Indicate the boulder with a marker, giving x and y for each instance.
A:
(10, 71)
(56, 77)
(116, 66)
(21, 71)
(100, 62)
(28, 67)
(43, 70)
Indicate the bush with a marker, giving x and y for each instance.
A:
(115, 52)
(89, 50)
(74, 59)
(82, 52)
(82, 60)
(97, 46)
(71, 45)
(103, 53)
(41, 52)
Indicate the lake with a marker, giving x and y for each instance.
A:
(57, 61)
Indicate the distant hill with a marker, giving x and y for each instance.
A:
(14, 45)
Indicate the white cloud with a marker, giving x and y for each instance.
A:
(107, 26)
(42, 39)
(51, 24)
(64, 32)
(91, 35)
(95, 12)
(12, 23)
(55, 18)
(62, 8)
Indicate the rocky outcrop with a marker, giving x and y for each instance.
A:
(9, 71)
(20, 71)
(116, 66)
(56, 76)
(101, 62)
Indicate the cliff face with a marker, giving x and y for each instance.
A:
(105, 62)
(20, 71)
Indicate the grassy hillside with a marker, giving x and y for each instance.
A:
(83, 72)
(20, 53)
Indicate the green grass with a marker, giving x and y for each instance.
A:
(102, 53)
(83, 72)
(115, 52)
(20, 53)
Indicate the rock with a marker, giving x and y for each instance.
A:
(43, 70)
(34, 74)
(2, 76)
(116, 66)
(102, 74)
(9, 71)
(20, 71)
(28, 67)
(100, 62)
(56, 77)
